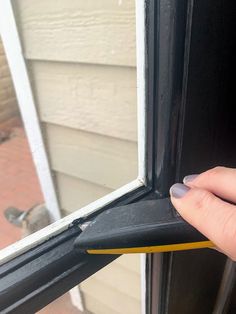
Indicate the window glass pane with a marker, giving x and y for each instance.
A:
(81, 61)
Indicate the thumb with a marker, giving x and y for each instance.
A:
(212, 216)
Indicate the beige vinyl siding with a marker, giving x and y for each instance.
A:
(121, 288)
(129, 262)
(75, 193)
(96, 306)
(93, 98)
(117, 301)
(81, 61)
(92, 157)
(119, 279)
(95, 32)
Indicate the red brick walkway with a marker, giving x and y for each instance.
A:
(19, 187)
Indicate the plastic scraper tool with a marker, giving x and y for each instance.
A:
(143, 227)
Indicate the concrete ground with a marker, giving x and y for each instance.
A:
(19, 187)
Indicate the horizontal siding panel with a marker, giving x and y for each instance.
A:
(120, 279)
(95, 306)
(101, 31)
(102, 160)
(88, 97)
(113, 299)
(130, 262)
(75, 193)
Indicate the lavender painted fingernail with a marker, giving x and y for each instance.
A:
(178, 190)
(190, 178)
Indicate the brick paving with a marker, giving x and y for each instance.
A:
(19, 187)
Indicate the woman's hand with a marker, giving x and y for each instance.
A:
(199, 201)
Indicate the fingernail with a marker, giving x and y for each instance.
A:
(190, 178)
(178, 190)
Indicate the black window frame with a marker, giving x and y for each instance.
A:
(37, 277)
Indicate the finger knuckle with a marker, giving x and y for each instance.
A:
(203, 200)
(213, 173)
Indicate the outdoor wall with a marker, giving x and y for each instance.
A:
(8, 103)
(81, 60)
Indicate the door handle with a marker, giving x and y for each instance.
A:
(143, 227)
